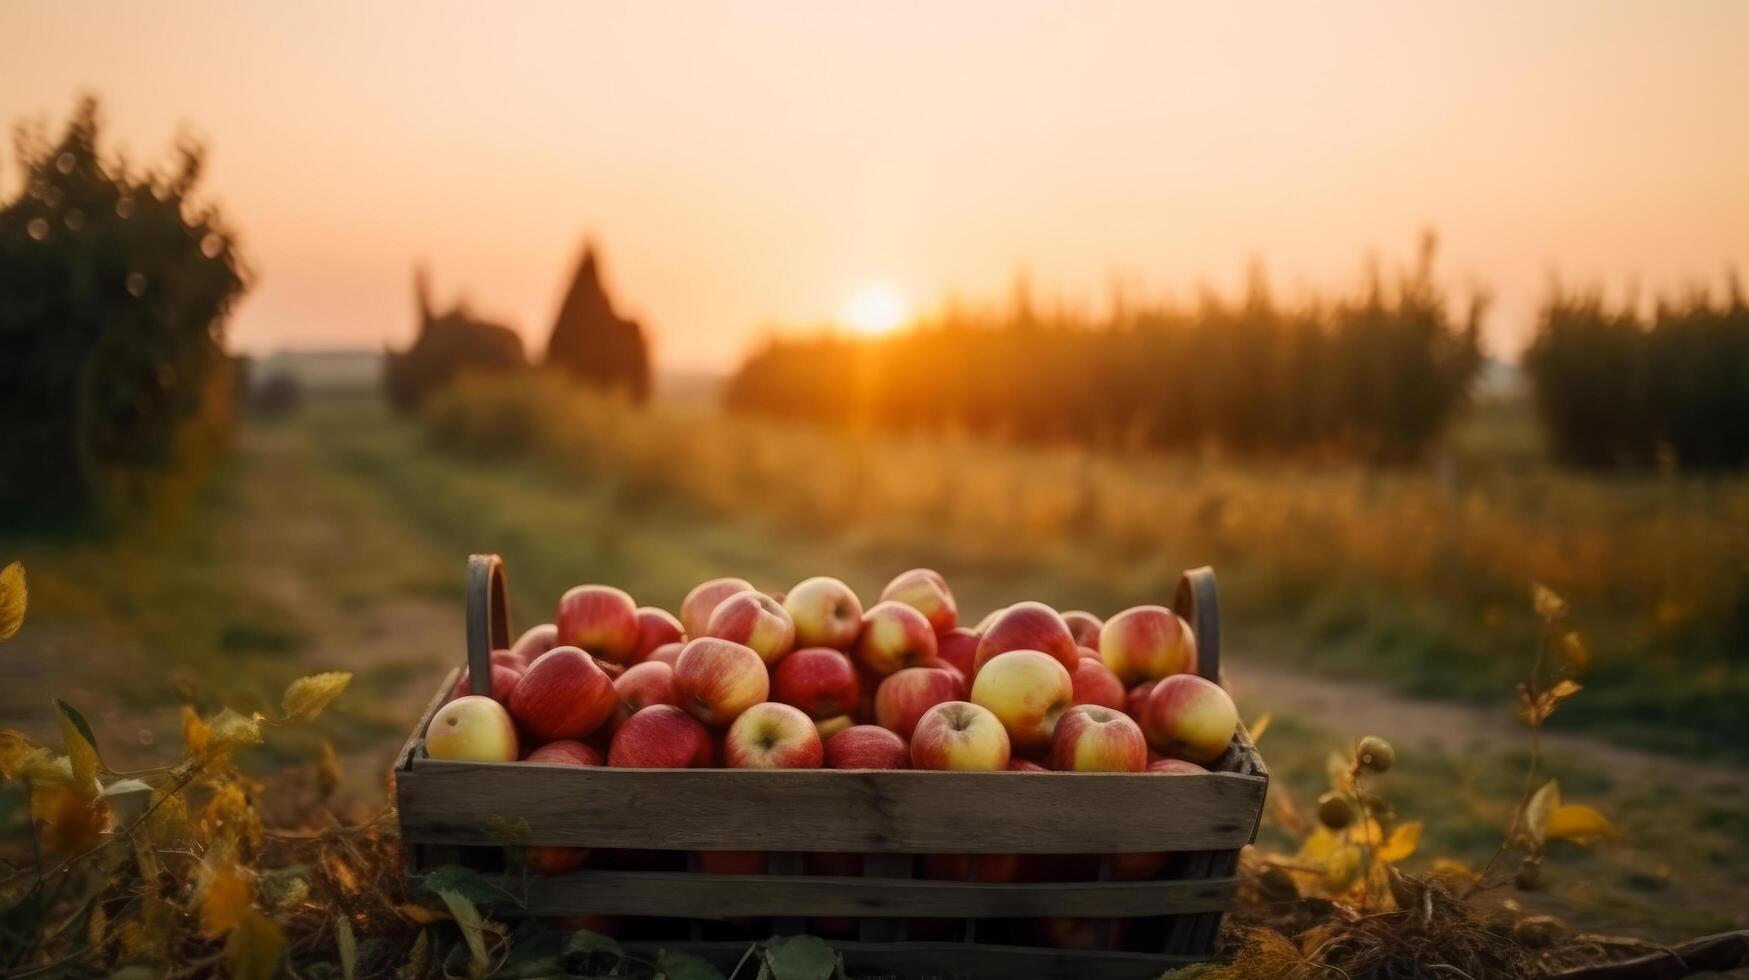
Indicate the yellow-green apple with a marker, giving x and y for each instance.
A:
(1091, 738)
(534, 642)
(959, 735)
(894, 636)
(1176, 767)
(1084, 627)
(554, 860)
(1135, 703)
(503, 682)
(820, 681)
(472, 728)
(867, 747)
(958, 646)
(754, 620)
(1146, 643)
(828, 727)
(771, 735)
(1027, 691)
(661, 737)
(696, 608)
(826, 613)
(656, 627)
(904, 696)
(989, 618)
(926, 591)
(564, 694)
(1190, 718)
(1094, 684)
(1017, 764)
(651, 682)
(667, 653)
(600, 619)
(718, 679)
(1026, 626)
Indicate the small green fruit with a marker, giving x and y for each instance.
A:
(1375, 753)
(1335, 810)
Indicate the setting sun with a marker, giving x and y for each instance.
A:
(876, 310)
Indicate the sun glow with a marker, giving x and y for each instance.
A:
(876, 310)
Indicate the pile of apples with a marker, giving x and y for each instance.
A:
(809, 679)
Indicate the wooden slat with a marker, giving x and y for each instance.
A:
(713, 896)
(829, 810)
(415, 741)
(958, 960)
(890, 866)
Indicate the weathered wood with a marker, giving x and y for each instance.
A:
(893, 866)
(829, 810)
(789, 921)
(488, 615)
(958, 961)
(1197, 602)
(714, 896)
(416, 741)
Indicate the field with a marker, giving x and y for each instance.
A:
(335, 540)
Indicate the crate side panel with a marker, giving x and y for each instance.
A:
(970, 961)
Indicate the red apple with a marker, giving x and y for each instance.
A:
(661, 737)
(867, 747)
(600, 619)
(828, 727)
(1135, 703)
(1026, 626)
(1146, 643)
(755, 620)
(894, 636)
(509, 658)
(1175, 767)
(770, 735)
(696, 608)
(473, 728)
(554, 860)
(1190, 718)
(959, 735)
(902, 698)
(656, 627)
(925, 591)
(503, 682)
(1028, 691)
(565, 751)
(1091, 738)
(717, 679)
(820, 681)
(667, 653)
(731, 862)
(826, 613)
(536, 641)
(1072, 933)
(564, 694)
(1094, 684)
(1017, 764)
(651, 682)
(1138, 865)
(1084, 627)
(959, 646)
(992, 869)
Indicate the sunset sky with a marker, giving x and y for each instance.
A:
(752, 164)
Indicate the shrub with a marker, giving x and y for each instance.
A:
(449, 345)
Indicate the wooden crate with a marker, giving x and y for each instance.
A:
(461, 811)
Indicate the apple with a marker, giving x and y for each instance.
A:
(503, 682)
(818, 680)
(867, 747)
(1026, 626)
(656, 627)
(565, 751)
(894, 636)
(826, 613)
(833, 864)
(1146, 643)
(549, 859)
(472, 728)
(600, 619)
(718, 679)
(1092, 738)
(696, 608)
(926, 591)
(661, 737)
(1188, 717)
(1138, 865)
(534, 642)
(1135, 703)
(1084, 627)
(564, 694)
(1064, 932)
(832, 726)
(667, 653)
(1094, 684)
(989, 618)
(651, 682)
(986, 868)
(959, 735)
(731, 862)
(755, 620)
(1017, 764)
(903, 697)
(958, 646)
(1175, 767)
(771, 735)
(1028, 691)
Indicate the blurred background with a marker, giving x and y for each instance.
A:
(1386, 312)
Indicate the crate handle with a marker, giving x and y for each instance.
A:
(1198, 602)
(488, 618)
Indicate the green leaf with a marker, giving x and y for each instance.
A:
(467, 883)
(418, 959)
(673, 964)
(81, 746)
(14, 597)
(801, 958)
(348, 944)
(586, 943)
(467, 917)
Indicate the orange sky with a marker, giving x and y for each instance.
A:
(754, 163)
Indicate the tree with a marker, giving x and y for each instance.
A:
(448, 346)
(592, 343)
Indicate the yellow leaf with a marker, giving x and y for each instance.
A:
(1536, 813)
(168, 822)
(252, 952)
(1452, 869)
(195, 733)
(228, 732)
(1402, 842)
(1340, 768)
(307, 696)
(229, 816)
(16, 753)
(1261, 725)
(1548, 605)
(14, 597)
(1575, 654)
(1578, 823)
(81, 745)
(70, 821)
(227, 893)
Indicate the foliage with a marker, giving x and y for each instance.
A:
(1615, 389)
(114, 289)
(594, 345)
(1377, 377)
(448, 346)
